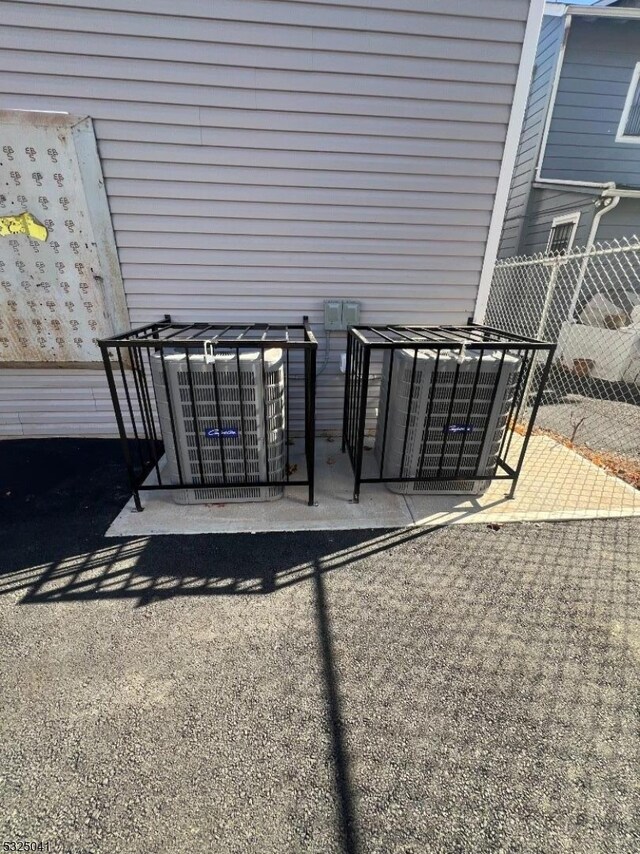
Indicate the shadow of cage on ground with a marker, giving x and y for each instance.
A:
(476, 687)
(497, 666)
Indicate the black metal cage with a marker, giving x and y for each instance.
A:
(452, 424)
(127, 361)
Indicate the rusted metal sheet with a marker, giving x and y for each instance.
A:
(59, 294)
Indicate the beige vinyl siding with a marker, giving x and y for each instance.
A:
(261, 156)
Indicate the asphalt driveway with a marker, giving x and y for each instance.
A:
(459, 690)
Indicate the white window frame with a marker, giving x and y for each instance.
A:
(620, 134)
(563, 220)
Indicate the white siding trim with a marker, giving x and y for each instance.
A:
(620, 134)
(552, 97)
(514, 129)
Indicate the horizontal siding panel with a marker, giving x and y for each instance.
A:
(457, 212)
(466, 8)
(560, 161)
(581, 104)
(43, 402)
(62, 405)
(338, 130)
(152, 93)
(582, 131)
(588, 154)
(44, 393)
(579, 86)
(363, 261)
(28, 417)
(292, 15)
(456, 171)
(283, 244)
(298, 303)
(306, 150)
(21, 38)
(279, 58)
(137, 59)
(339, 196)
(377, 314)
(430, 287)
(201, 232)
(402, 278)
(326, 61)
(175, 115)
(214, 127)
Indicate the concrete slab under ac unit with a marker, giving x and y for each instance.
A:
(556, 484)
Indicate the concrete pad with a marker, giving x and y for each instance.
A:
(378, 508)
(555, 484)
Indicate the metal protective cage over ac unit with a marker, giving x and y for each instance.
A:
(238, 419)
(450, 400)
(456, 420)
(203, 408)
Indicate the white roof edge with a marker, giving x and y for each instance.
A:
(559, 10)
(622, 192)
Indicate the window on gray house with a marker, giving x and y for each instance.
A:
(629, 127)
(560, 238)
(632, 126)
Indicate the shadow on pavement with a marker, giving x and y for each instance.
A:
(479, 686)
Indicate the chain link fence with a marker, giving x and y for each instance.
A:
(588, 302)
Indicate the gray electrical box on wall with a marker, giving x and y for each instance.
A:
(333, 314)
(350, 313)
(340, 314)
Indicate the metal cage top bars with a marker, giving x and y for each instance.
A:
(193, 335)
(438, 458)
(443, 337)
(130, 376)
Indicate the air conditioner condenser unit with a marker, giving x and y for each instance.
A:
(247, 422)
(445, 438)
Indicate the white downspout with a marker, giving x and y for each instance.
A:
(609, 203)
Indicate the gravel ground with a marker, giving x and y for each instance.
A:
(602, 425)
(460, 690)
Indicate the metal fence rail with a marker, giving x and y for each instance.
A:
(588, 302)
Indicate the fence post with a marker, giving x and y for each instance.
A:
(551, 287)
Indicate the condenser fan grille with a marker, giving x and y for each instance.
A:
(230, 424)
(445, 427)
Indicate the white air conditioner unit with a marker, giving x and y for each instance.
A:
(478, 410)
(253, 450)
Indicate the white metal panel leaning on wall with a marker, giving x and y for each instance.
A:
(276, 155)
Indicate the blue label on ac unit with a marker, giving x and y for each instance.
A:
(459, 428)
(225, 433)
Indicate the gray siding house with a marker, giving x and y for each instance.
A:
(576, 178)
(259, 157)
